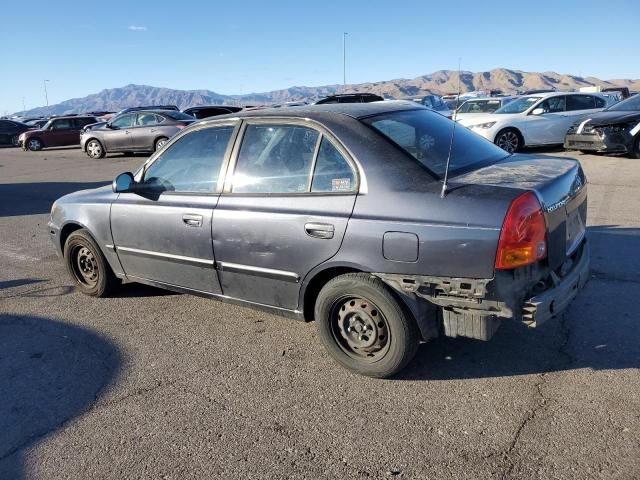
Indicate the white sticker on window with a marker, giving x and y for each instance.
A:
(340, 184)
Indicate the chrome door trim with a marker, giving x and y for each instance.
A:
(258, 271)
(179, 258)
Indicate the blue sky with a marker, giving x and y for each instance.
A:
(248, 46)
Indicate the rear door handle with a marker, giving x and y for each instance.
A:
(319, 230)
(192, 220)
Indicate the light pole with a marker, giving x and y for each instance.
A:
(46, 95)
(344, 58)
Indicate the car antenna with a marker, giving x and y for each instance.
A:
(453, 134)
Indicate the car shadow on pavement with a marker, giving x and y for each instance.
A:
(50, 373)
(36, 198)
(599, 331)
(138, 290)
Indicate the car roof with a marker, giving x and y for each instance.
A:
(63, 117)
(355, 110)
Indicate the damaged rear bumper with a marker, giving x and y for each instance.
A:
(474, 307)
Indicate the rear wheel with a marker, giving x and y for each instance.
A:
(509, 140)
(87, 265)
(95, 149)
(364, 327)
(34, 144)
(160, 143)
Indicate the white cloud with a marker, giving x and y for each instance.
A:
(137, 28)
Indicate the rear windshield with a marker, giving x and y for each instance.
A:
(177, 115)
(426, 136)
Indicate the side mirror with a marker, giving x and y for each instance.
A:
(123, 183)
(537, 111)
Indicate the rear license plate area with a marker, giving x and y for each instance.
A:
(575, 230)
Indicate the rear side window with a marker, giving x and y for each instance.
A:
(600, 102)
(580, 102)
(178, 115)
(192, 164)
(145, 119)
(332, 172)
(275, 159)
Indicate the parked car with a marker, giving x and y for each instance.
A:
(57, 132)
(137, 131)
(10, 132)
(614, 130)
(478, 106)
(335, 213)
(435, 103)
(532, 120)
(148, 107)
(39, 123)
(206, 111)
(351, 98)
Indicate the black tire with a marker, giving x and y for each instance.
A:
(94, 149)
(160, 143)
(33, 144)
(510, 140)
(87, 266)
(364, 327)
(14, 141)
(635, 151)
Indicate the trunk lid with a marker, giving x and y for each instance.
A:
(560, 185)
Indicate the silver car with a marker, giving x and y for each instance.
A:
(139, 131)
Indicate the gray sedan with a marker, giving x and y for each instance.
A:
(341, 214)
(140, 131)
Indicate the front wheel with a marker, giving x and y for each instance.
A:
(15, 141)
(161, 143)
(364, 327)
(95, 149)
(87, 265)
(635, 151)
(509, 140)
(34, 144)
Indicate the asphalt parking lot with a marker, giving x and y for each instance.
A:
(151, 384)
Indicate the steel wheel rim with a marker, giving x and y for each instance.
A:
(94, 149)
(360, 328)
(160, 144)
(508, 141)
(85, 266)
(34, 144)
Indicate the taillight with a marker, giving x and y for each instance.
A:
(523, 236)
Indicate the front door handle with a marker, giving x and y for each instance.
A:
(319, 230)
(192, 220)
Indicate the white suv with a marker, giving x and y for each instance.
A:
(540, 119)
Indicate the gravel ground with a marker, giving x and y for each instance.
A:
(151, 384)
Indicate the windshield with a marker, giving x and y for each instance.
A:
(629, 105)
(518, 106)
(426, 136)
(479, 106)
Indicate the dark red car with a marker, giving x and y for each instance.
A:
(57, 132)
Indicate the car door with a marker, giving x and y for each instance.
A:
(117, 133)
(550, 125)
(275, 221)
(60, 133)
(162, 232)
(5, 132)
(144, 131)
(581, 106)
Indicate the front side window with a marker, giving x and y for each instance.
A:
(518, 106)
(192, 164)
(426, 136)
(553, 104)
(275, 159)
(580, 102)
(124, 121)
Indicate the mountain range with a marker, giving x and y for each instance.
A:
(440, 82)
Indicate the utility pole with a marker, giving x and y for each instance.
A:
(46, 95)
(344, 58)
